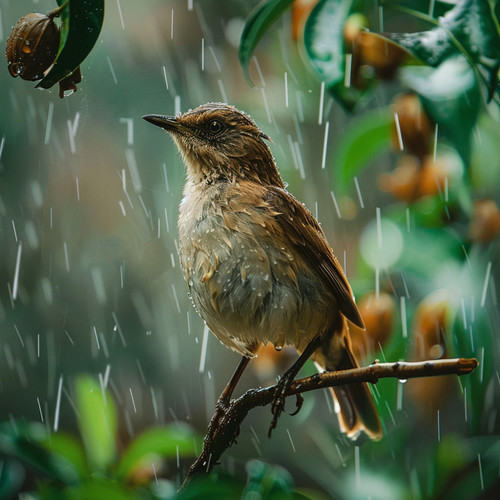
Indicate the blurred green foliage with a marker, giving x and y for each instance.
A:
(90, 467)
(88, 201)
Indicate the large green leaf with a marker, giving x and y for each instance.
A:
(163, 442)
(81, 24)
(259, 21)
(324, 43)
(97, 422)
(469, 28)
(451, 96)
(366, 137)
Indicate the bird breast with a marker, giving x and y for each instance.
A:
(247, 283)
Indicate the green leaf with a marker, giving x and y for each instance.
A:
(451, 456)
(474, 336)
(216, 485)
(451, 96)
(97, 422)
(469, 28)
(100, 488)
(269, 481)
(366, 137)
(26, 441)
(65, 445)
(259, 21)
(485, 160)
(81, 24)
(308, 494)
(11, 478)
(162, 442)
(324, 43)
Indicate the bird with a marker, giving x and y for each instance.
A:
(257, 263)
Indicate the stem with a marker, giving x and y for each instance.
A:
(57, 12)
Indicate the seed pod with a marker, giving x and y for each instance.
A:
(413, 127)
(403, 181)
(32, 46)
(430, 332)
(377, 312)
(485, 222)
(383, 55)
(414, 178)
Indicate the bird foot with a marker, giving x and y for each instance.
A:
(278, 404)
(221, 410)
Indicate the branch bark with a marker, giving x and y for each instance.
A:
(225, 424)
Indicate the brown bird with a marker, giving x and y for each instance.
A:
(257, 263)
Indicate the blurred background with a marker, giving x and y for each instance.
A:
(91, 280)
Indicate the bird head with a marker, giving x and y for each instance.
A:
(220, 143)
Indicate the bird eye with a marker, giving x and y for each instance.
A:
(215, 127)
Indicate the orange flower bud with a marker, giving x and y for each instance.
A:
(429, 342)
(415, 178)
(485, 222)
(413, 130)
(378, 316)
(403, 182)
(383, 55)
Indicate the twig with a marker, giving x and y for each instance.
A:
(224, 426)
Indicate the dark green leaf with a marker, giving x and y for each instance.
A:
(474, 336)
(474, 467)
(100, 488)
(11, 478)
(65, 19)
(366, 137)
(308, 494)
(26, 441)
(162, 442)
(324, 43)
(81, 24)
(216, 485)
(269, 481)
(97, 422)
(469, 28)
(450, 96)
(259, 21)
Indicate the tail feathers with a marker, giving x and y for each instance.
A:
(353, 402)
(356, 412)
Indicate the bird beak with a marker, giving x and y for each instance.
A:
(169, 123)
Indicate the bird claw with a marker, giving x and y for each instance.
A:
(298, 404)
(278, 404)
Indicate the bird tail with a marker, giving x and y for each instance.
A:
(353, 402)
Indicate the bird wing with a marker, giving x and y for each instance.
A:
(305, 234)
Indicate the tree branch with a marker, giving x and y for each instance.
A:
(225, 424)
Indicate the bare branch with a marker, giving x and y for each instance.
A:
(224, 426)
